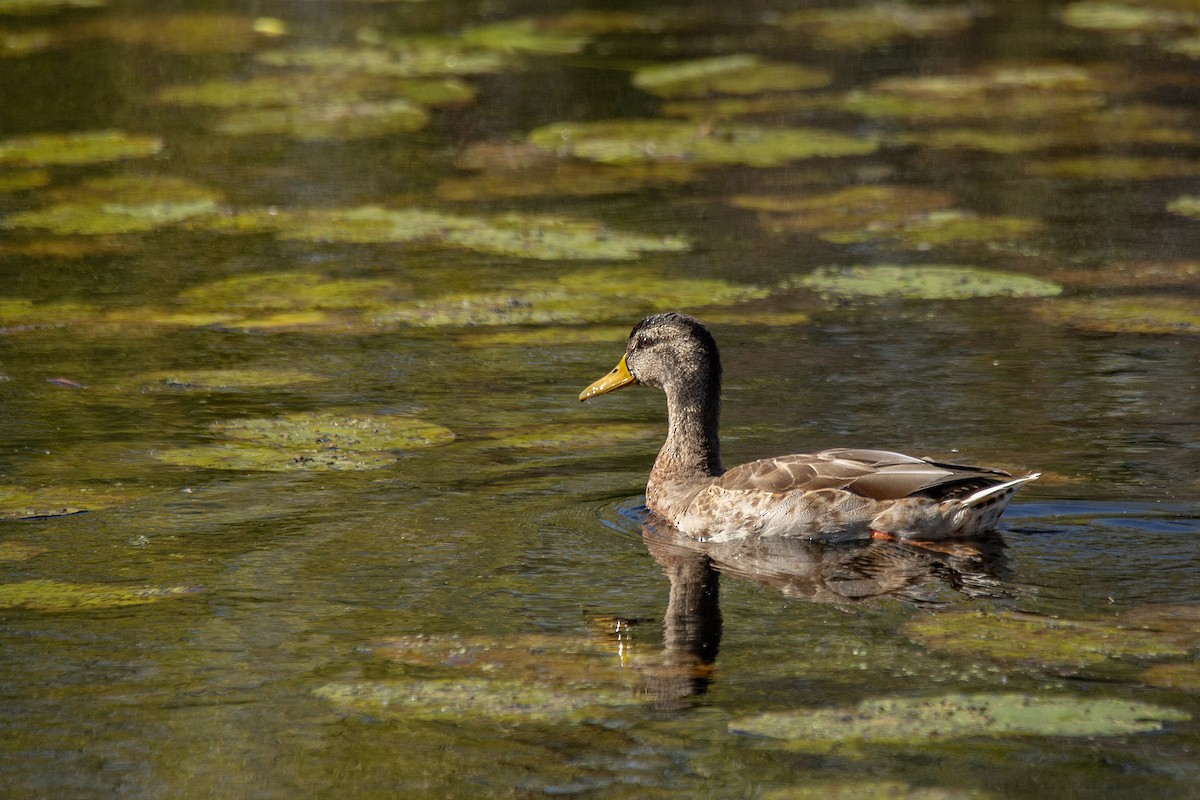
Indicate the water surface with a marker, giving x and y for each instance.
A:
(288, 602)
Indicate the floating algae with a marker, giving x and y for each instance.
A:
(85, 147)
(1058, 644)
(536, 236)
(59, 596)
(879, 24)
(192, 33)
(320, 89)
(457, 700)
(25, 502)
(920, 721)
(124, 204)
(408, 58)
(641, 140)
(329, 122)
(922, 282)
(1148, 314)
(525, 36)
(572, 298)
(33, 7)
(311, 441)
(939, 229)
(854, 209)
(224, 380)
(732, 74)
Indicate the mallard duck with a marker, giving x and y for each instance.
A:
(835, 495)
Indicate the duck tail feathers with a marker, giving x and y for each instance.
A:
(1001, 488)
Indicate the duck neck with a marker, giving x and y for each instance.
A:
(693, 446)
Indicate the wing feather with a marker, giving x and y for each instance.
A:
(875, 474)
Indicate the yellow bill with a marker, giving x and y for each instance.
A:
(618, 378)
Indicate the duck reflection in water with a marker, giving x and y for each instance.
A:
(841, 573)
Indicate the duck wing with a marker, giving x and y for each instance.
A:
(874, 474)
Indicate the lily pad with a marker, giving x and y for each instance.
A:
(917, 721)
(640, 140)
(49, 595)
(330, 122)
(313, 441)
(217, 380)
(731, 74)
(124, 204)
(571, 298)
(87, 147)
(525, 36)
(1150, 314)
(457, 700)
(922, 282)
(1187, 205)
(878, 24)
(1053, 643)
(544, 237)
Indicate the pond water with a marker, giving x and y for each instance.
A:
(296, 495)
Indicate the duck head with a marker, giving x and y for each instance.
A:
(672, 352)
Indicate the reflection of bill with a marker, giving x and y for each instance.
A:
(819, 572)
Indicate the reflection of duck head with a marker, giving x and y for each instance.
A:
(834, 494)
(820, 572)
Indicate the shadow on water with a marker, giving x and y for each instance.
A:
(840, 574)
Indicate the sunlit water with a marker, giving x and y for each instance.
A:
(295, 579)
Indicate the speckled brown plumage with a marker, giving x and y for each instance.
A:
(834, 494)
